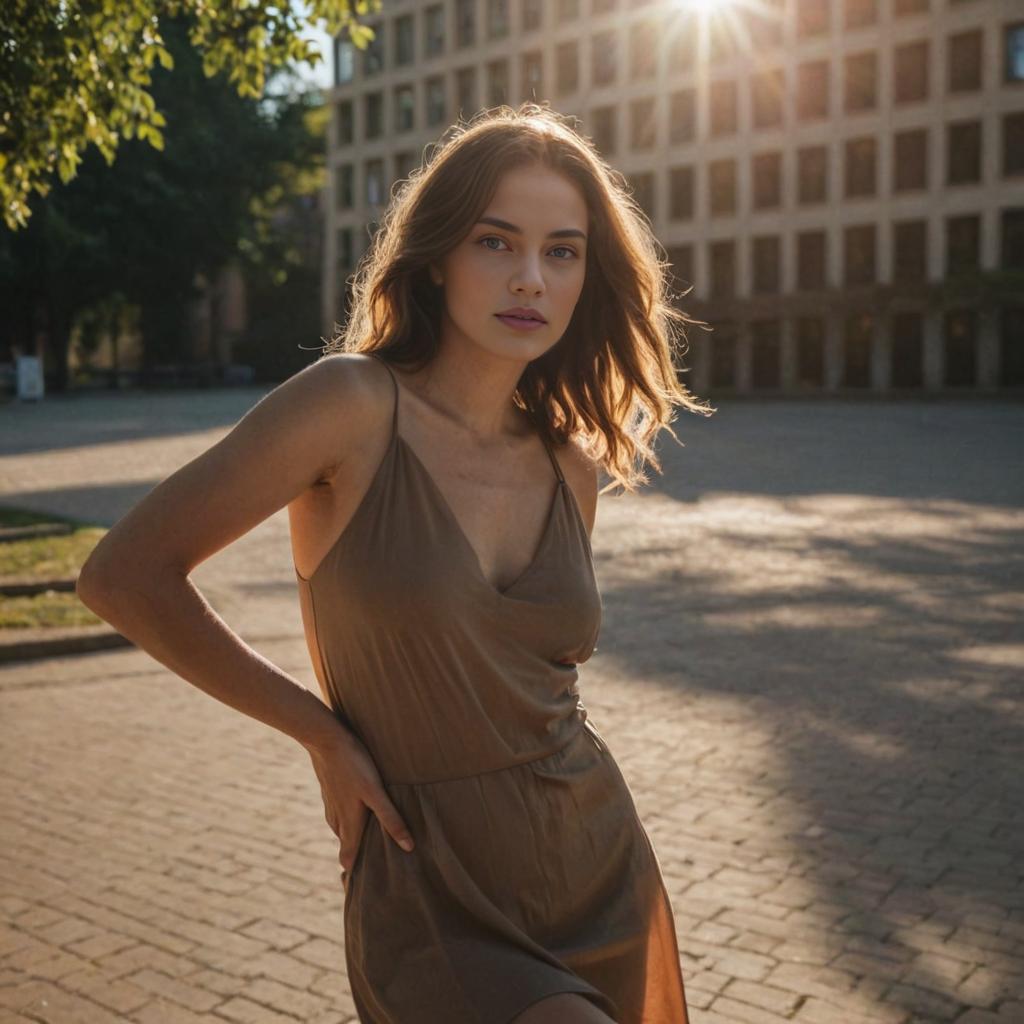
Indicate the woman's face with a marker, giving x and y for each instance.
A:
(531, 254)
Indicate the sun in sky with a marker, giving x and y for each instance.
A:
(729, 21)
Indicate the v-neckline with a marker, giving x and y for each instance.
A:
(446, 508)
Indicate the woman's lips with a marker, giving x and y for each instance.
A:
(519, 325)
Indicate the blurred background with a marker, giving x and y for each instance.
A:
(838, 185)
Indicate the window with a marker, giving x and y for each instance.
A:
(643, 49)
(405, 49)
(963, 243)
(681, 192)
(961, 326)
(722, 180)
(682, 118)
(1013, 144)
(568, 10)
(722, 338)
(722, 41)
(374, 109)
(907, 331)
(860, 167)
(858, 331)
(405, 108)
(465, 89)
(810, 351)
(567, 68)
(861, 73)
(345, 122)
(722, 265)
(902, 8)
(1011, 221)
(373, 55)
(344, 60)
(497, 82)
(911, 72)
(344, 187)
(965, 60)
(766, 253)
(681, 258)
(465, 23)
(435, 100)
(605, 135)
(910, 251)
(763, 24)
(643, 191)
(722, 99)
(811, 260)
(767, 173)
(434, 37)
(533, 15)
(497, 19)
(604, 57)
(812, 174)
(859, 255)
(375, 182)
(766, 98)
(812, 17)
(963, 149)
(682, 47)
(765, 355)
(532, 76)
(812, 89)
(1014, 46)
(345, 251)
(859, 13)
(642, 126)
(405, 162)
(1011, 347)
(910, 160)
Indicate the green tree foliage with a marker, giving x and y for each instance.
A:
(143, 231)
(78, 72)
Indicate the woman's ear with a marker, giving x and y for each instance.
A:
(435, 275)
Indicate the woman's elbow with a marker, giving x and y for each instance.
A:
(93, 586)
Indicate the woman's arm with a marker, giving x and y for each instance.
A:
(137, 577)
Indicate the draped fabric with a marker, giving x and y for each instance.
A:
(532, 873)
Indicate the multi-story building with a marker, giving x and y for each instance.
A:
(838, 184)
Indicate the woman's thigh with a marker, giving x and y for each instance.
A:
(564, 1008)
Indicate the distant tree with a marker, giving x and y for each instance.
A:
(77, 72)
(144, 230)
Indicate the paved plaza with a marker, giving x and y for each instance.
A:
(811, 671)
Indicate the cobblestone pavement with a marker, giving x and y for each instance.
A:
(809, 671)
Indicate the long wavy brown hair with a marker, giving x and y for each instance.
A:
(611, 381)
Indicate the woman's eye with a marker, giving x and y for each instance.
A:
(492, 238)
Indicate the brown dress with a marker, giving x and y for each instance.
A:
(532, 873)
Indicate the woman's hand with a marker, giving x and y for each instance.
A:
(351, 787)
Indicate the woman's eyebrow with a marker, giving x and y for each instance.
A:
(504, 224)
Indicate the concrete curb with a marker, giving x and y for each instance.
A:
(30, 644)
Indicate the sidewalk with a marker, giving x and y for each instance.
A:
(809, 671)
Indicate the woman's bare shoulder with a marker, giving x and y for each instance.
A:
(342, 396)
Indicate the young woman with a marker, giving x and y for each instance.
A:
(510, 336)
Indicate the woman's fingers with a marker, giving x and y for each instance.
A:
(391, 821)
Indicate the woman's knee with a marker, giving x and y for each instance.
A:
(564, 1008)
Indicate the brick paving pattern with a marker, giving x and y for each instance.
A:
(809, 671)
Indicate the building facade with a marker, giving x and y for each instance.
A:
(838, 184)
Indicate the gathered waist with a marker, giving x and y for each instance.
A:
(585, 728)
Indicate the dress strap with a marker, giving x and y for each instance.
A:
(554, 461)
(394, 381)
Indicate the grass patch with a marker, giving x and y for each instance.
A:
(58, 557)
(54, 609)
(42, 558)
